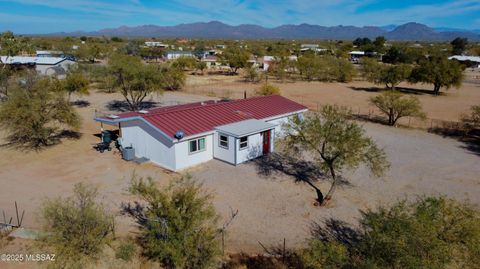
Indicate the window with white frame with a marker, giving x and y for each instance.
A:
(196, 145)
(244, 142)
(223, 141)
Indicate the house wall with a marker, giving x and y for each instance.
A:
(279, 131)
(149, 143)
(227, 155)
(185, 159)
(58, 69)
(254, 149)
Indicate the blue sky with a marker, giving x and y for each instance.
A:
(46, 16)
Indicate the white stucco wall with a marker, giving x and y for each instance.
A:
(279, 129)
(149, 143)
(254, 149)
(227, 155)
(184, 159)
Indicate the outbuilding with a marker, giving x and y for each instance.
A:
(177, 137)
(44, 65)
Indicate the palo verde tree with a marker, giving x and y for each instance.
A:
(77, 228)
(36, 111)
(439, 71)
(336, 142)
(134, 79)
(235, 58)
(397, 105)
(177, 225)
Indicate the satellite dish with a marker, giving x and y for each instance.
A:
(179, 134)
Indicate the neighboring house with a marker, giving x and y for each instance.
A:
(221, 46)
(44, 65)
(155, 44)
(211, 61)
(267, 60)
(49, 53)
(172, 55)
(312, 47)
(471, 61)
(178, 137)
(355, 56)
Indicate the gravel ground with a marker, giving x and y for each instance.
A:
(270, 207)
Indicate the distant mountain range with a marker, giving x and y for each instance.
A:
(408, 32)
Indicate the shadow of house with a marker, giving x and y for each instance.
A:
(123, 106)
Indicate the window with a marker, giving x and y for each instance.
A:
(197, 145)
(244, 142)
(223, 141)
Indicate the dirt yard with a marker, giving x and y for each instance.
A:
(270, 207)
(355, 95)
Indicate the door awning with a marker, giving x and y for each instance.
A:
(246, 127)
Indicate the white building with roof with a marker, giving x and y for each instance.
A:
(178, 137)
(43, 65)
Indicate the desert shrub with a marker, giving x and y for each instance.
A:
(177, 225)
(472, 120)
(126, 250)
(77, 228)
(431, 232)
(396, 105)
(35, 113)
(268, 89)
(252, 74)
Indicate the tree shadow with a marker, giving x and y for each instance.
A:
(53, 140)
(300, 170)
(400, 89)
(333, 230)
(470, 140)
(122, 106)
(80, 103)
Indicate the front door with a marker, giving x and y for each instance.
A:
(266, 142)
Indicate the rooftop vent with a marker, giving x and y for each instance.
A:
(143, 111)
(179, 134)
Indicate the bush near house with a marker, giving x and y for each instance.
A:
(77, 228)
(177, 225)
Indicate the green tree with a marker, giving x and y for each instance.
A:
(397, 105)
(184, 63)
(439, 71)
(134, 79)
(388, 75)
(431, 232)
(235, 58)
(173, 78)
(77, 228)
(177, 225)
(75, 82)
(336, 142)
(35, 112)
(268, 89)
(459, 45)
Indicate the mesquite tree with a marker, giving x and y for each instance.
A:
(134, 79)
(396, 105)
(336, 142)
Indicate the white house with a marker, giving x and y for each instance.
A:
(172, 55)
(44, 65)
(267, 60)
(473, 60)
(178, 137)
(155, 44)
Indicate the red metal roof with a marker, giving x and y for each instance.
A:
(202, 117)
